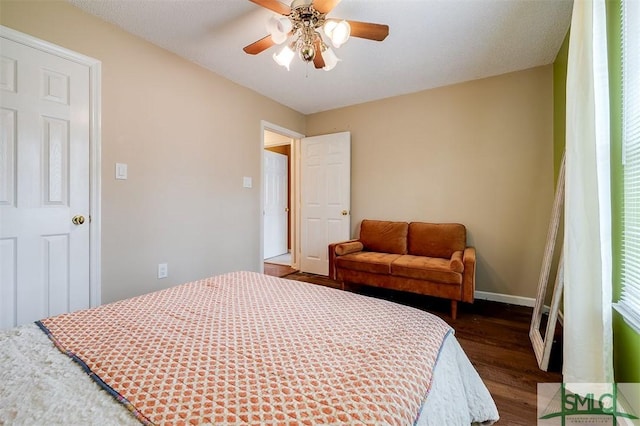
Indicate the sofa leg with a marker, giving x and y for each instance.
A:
(454, 309)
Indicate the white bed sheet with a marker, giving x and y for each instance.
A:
(41, 386)
(457, 396)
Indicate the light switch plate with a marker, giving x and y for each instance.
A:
(247, 182)
(163, 270)
(121, 171)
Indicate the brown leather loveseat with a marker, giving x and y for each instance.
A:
(418, 257)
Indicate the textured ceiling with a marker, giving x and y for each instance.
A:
(431, 43)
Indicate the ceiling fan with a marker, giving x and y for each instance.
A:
(300, 29)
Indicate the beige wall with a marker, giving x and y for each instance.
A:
(479, 153)
(188, 137)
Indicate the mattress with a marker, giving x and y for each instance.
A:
(241, 348)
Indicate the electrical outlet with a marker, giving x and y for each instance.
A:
(163, 270)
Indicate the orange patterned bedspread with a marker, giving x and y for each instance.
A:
(246, 348)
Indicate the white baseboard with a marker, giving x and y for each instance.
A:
(505, 298)
(514, 300)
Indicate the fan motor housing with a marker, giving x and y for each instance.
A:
(297, 4)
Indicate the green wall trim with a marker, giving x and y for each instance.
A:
(626, 342)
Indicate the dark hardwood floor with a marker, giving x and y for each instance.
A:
(495, 337)
(277, 270)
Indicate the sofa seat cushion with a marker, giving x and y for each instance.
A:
(367, 261)
(425, 268)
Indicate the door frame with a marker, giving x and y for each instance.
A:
(294, 224)
(94, 66)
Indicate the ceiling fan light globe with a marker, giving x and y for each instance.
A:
(329, 26)
(279, 38)
(340, 34)
(284, 57)
(284, 25)
(279, 29)
(271, 25)
(330, 59)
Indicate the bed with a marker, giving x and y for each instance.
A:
(241, 348)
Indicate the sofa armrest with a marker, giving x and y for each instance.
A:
(469, 275)
(456, 263)
(332, 257)
(348, 247)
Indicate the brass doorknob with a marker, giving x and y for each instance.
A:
(78, 220)
(344, 212)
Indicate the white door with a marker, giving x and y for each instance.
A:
(44, 182)
(325, 198)
(275, 204)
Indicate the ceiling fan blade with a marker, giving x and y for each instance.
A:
(318, 60)
(258, 46)
(325, 6)
(377, 32)
(273, 5)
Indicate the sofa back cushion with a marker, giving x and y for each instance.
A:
(436, 239)
(383, 236)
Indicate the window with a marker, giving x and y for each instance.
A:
(629, 304)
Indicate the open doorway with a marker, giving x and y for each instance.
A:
(279, 213)
(277, 201)
(318, 205)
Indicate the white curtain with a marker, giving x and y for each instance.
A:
(587, 241)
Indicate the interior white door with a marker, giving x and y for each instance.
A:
(275, 204)
(325, 198)
(44, 183)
